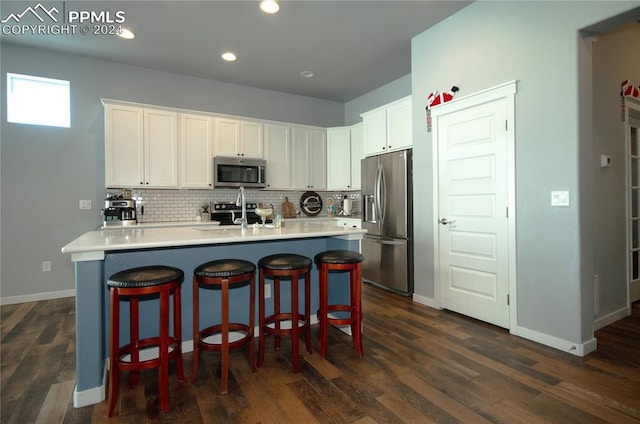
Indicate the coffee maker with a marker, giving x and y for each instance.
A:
(119, 212)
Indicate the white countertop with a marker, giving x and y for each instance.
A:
(141, 237)
(200, 223)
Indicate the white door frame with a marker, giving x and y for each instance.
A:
(630, 104)
(507, 91)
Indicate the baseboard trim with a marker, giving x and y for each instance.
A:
(427, 301)
(11, 300)
(93, 395)
(577, 349)
(611, 318)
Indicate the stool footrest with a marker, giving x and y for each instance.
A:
(303, 325)
(340, 321)
(147, 363)
(217, 329)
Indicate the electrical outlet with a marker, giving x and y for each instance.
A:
(267, 291)
(46, 266)
(85, 204)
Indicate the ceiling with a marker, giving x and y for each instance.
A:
(352, 47)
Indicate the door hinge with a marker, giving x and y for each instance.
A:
(507, 211)
(506, 125)
(508, 300)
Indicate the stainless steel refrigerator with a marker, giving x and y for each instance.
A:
(387, 214)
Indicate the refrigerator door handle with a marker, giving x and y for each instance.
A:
(383, 194)
(392, 242)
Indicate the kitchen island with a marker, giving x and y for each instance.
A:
(99, 254)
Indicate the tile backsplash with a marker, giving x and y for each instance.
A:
(184, 205)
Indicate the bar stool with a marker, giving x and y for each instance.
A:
(135, 284)
(289, 266)
(225, 274)
(339, 261)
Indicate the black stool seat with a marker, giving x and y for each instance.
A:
(224, 268)
(339, 257)
(146, 276)
(284, 261)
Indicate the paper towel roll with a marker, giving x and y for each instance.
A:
(346, 206)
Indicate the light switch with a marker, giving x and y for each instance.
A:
(560, 198)
(85, 204)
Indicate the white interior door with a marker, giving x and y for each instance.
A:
(633, 193)
(473, 199)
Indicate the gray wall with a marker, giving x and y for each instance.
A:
(45, 171)
(616, 57)
(538, 44)
(386, 94)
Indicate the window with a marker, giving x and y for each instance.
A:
(38, 101)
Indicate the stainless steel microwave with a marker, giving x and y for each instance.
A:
(237, 172)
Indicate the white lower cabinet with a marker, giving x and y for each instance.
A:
(141, 147)
(277, 152)
(196, 151)
(308, 158)
(349, 222)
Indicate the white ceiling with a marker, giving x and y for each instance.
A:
(352, 47)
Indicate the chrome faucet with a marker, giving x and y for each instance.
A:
(241, 201)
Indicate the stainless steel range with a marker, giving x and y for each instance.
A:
(226, 212)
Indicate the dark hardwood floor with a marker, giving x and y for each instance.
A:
(421, 365)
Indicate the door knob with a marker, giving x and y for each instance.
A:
(445, 221)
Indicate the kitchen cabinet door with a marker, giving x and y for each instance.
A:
(399, 129)
(124, 146)
(161, 148)
(317, 159)
(277, 151)
(227, 137)
(238, 138)
(141, 147)
(339, 158)
(251, 144)
(308, 158)
(375, 131)
(196, 147)
(388, 128)
(357, 154)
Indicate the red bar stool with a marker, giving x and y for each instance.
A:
(135, 284)
(289, 266)
(224, 274)
(339, 261)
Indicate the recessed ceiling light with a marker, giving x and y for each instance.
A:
(127, 34)
(229, 56)
(269, 6)
(306, 74)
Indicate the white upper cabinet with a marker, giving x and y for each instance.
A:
(339, 158)
(196, 151)
(238, 138)
(161, 148)
(357, 155)
(344, 153)
(308, 158)
(141, 147)
(388, 128)
(277, 152)
(124, 146)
